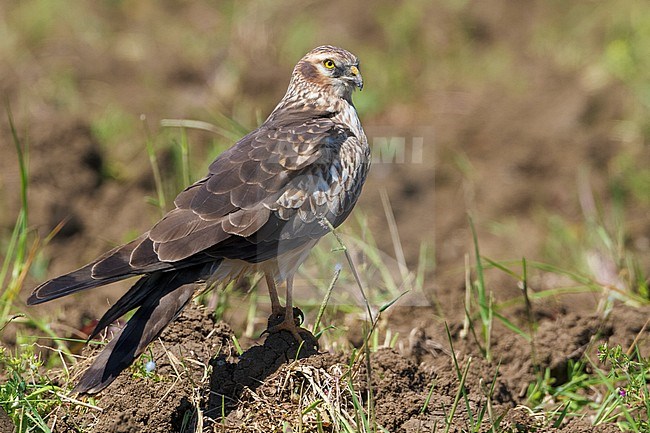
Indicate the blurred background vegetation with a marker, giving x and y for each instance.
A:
(535, 118)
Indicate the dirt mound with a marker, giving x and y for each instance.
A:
(200, 384)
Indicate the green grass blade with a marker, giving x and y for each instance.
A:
(508, 324)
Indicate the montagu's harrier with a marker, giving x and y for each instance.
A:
(263, 205)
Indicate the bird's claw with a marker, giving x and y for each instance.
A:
(277, 317)
(279, 322)
(289, 326)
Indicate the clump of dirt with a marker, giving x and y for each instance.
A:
(521, 420)
(164, 401)
(284, 398)
(202, 385)
(230, 378)
(181, 391)
(6, 424)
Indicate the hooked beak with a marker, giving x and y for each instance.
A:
(356, 77)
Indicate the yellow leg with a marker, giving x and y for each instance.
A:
(288, 323)
(276, 307)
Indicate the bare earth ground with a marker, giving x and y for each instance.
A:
(267, 385)
(527, 132)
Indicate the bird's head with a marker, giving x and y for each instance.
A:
(330, 69)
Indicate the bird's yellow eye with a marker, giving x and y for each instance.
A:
(329, 64)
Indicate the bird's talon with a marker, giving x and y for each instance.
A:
(291, 325)
(298, 316)
(294, 330)
(277, 316)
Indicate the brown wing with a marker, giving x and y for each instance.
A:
(325, 190)
(275, 185)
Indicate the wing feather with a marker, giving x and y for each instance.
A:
(184, 199)
(193, 243)
(119, 261)
(178, 224)
(210, 205)
(273, 186)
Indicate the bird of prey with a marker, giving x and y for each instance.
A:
(262, 206)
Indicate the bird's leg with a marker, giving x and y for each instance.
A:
(278, 312)
(288, 322)
(276, 308)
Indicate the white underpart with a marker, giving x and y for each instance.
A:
(281, 267)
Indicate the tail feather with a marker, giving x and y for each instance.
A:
(159, 296)
(151, 285)
(67, 284)
(129, 301)
(173, 292)
(109, 268)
